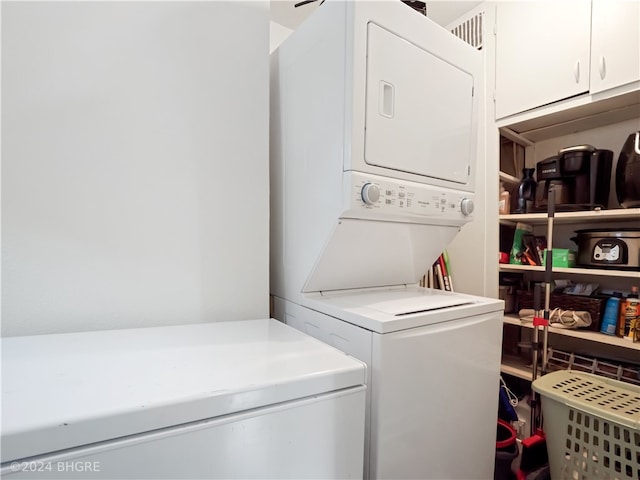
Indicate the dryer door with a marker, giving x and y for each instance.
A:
(419, 110)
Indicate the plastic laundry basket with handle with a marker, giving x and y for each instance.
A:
(592, 425)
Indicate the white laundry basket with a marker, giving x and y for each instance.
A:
(592, 425)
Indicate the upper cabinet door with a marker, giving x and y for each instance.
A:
(615, 44)
(542, 53)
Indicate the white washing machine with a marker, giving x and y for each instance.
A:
(432, 376)
(244, 399)
(374, 121)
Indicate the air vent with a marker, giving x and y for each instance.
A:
(471, 31)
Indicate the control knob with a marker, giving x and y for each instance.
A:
(370, 193)
(466, 206)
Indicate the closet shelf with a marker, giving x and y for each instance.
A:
(516, 367)
(591, 216)
(508, 179)
(505, 267)
(579, 333)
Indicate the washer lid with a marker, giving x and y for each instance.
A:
(65, 390)
(385, 310)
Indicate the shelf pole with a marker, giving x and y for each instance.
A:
(548, 275)
(535, 349)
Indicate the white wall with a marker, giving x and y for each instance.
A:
(444, 12)
(284, 12)
(474, 251)
(277, 34)
(134, 164)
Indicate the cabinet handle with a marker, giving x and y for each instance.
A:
(603, 68)
(576, 71)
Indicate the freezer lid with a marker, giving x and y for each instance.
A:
(65, 390)
(385, 310)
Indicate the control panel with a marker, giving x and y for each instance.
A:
(381, 196)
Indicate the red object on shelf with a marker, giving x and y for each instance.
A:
(540, 322)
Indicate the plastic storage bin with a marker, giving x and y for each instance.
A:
(506, 451)
(592, 426)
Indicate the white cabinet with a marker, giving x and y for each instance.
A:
(615, 44)
(542, 53)
(551, 51)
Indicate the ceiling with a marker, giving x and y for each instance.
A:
(442, 12)
(445, 12)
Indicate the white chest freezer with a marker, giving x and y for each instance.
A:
(246, 399)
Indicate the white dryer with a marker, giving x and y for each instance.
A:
(374, 121)
(244, 399)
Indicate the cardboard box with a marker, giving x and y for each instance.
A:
(561, 257)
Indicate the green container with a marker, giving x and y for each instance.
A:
(561, 257)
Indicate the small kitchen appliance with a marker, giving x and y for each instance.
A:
(580, 176)
(628, 172)
(548, 175)
(617, 248)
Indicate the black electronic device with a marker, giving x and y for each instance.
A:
(580, 177)
(628, 172)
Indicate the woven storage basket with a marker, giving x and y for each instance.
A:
(595, 306)
(592, 425)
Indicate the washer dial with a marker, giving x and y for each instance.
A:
(370, 193)
(466, 206)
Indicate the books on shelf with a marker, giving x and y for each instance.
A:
(439, 275)
(533, 249)
(527, 248)
(516, 256)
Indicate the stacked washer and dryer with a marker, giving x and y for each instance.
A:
(374, 134)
